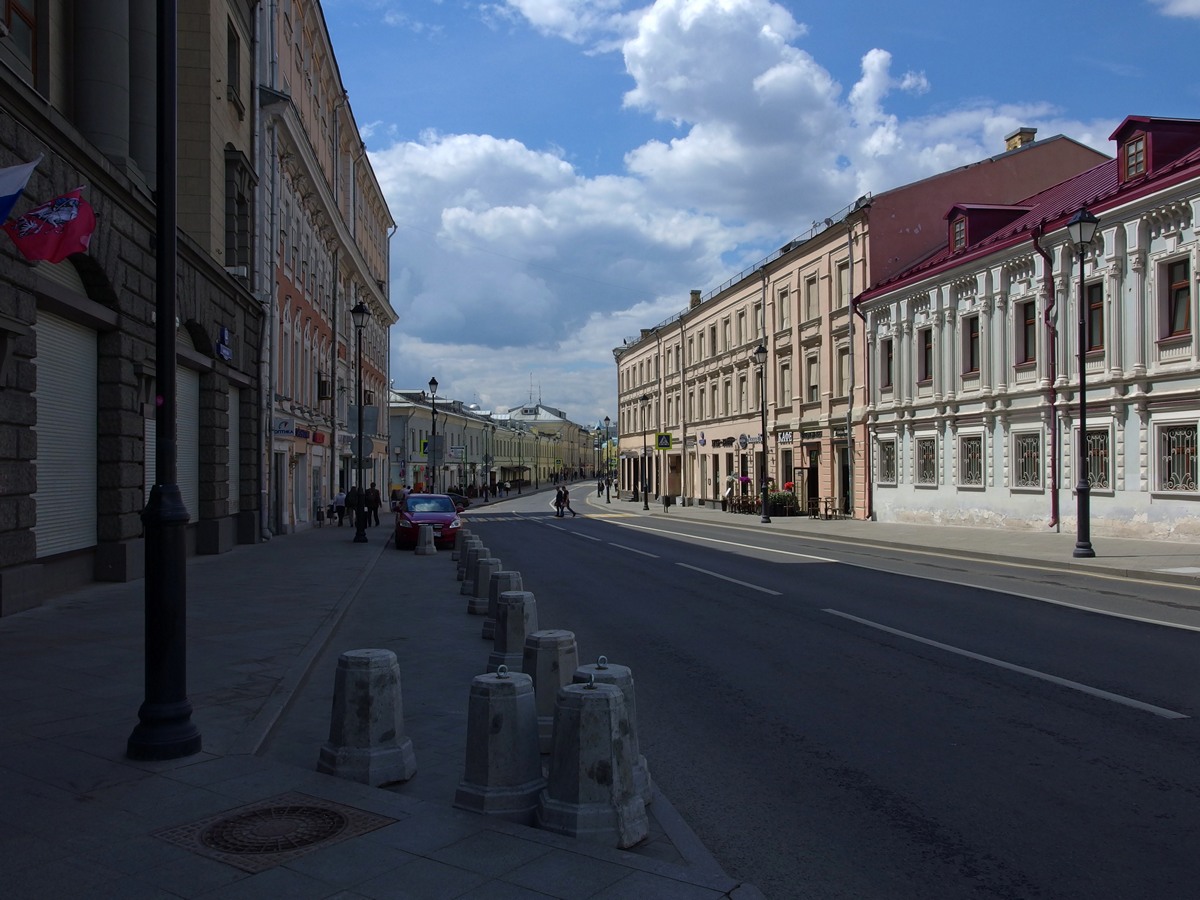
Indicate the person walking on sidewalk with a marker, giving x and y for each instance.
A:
(566, 502)
(339, 507)
(373, 503)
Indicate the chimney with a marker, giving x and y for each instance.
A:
(695, 300)
(1019, 138)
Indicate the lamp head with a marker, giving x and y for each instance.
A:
(359, 314)
(1082, 228)
(433, 386)
(760, 354)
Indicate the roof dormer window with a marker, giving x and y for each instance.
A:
(1134, 155)
(958, 233)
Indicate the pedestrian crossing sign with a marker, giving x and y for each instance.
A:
(662, 441)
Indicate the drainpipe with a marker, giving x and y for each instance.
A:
(1052, 394)
(685, 463)
(868, 481)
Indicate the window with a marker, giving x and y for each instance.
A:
(1098, 456)
(887, 462)
(712, 340)
(958, 233)
(784, 305)
(691, 351)
(927, 460)
(925, 355)
(812, 382)
(843, 285)
(23, 45)
(725, 331)
(728, 397)
(701, 346)
(759, 328)
(1094, 293)
(239, 197)
(970, 461)
(1027, 460)
(1177, 458)
(1179, 299)
(1135, 157)
(712, 399)
(233, 69)
(886, 362)
(743, 398)
(785, 384)
(1027, 332)
(741, 328)
(971, 344)
(843, 358)
(811, 308)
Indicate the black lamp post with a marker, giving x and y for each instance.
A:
(645, 401)
(359, 315)
(760, 357)
(1082, 229)
(432, 457)
(607, 463)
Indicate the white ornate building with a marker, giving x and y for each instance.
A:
(973, 378)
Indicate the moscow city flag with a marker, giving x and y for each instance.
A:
(54, 230)
(12, 183)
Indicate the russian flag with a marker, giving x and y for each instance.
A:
(12, 183)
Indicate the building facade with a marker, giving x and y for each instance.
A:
(692, 394)
(975, 354)
(324, 242)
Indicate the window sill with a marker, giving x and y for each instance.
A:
(974, 488)
(1192, 496)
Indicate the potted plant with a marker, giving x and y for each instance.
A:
(782, 503)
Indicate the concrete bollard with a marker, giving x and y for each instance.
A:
(474, 555)
(425, 546)
(484, 569)
(589, 793)
(366, 729)
(472, 543)
(503, 773)
(501, 582)
(550, 659)
(459, 540)
(516, 617)
(604, 672)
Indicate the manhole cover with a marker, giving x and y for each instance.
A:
(262, 835)
(274, 829)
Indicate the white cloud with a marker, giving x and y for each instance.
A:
(508, 253)
(1188, 9)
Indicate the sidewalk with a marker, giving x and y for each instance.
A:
(266, 624)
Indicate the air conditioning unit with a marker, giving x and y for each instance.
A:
(324, 389)
(238, 271)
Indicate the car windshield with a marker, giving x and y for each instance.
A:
(430, 504)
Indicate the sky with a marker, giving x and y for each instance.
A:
(563, 172)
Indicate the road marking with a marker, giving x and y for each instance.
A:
(634, 550)
(588, 536)
(696, 537)
(753, 587)
(1013, 667)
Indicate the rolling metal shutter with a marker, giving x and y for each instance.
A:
(235, 449)
(66, 435)
(187, 458)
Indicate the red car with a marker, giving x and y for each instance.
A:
(438, 510)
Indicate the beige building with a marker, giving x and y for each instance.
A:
(324, 242)
(692, 396)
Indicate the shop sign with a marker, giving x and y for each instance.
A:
(785, 437)
(318, 437)
(303, 433)
(283, 427)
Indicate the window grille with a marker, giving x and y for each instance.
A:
(1027, 464)
(1177, 458)
(970, 465)
(887, 461)
(927, 461)
(1098, 457)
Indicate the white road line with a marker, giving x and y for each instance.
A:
(634, 550)
(696, 537)
(753, 587)
(588, 536)
(1012, 667)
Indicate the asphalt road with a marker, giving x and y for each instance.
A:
(866, 725)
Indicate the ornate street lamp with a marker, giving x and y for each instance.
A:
(645, 401)
(760, 357)
(607, 463)
(431, 456)
(1082, 229)
(359, 314)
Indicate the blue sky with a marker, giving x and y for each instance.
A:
(563, 172)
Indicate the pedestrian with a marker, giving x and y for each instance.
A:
(339, 506)
(566, 502)
(600, 488)
(507, 488)
(373, 503)
(558, 502)
(352, 503)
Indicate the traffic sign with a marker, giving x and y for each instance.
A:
(662, 441)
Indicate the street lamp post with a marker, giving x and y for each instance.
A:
(1082, 229)
(760, 357)
(645, 400)
(359, 314)
(431, 456)
(607, 464)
